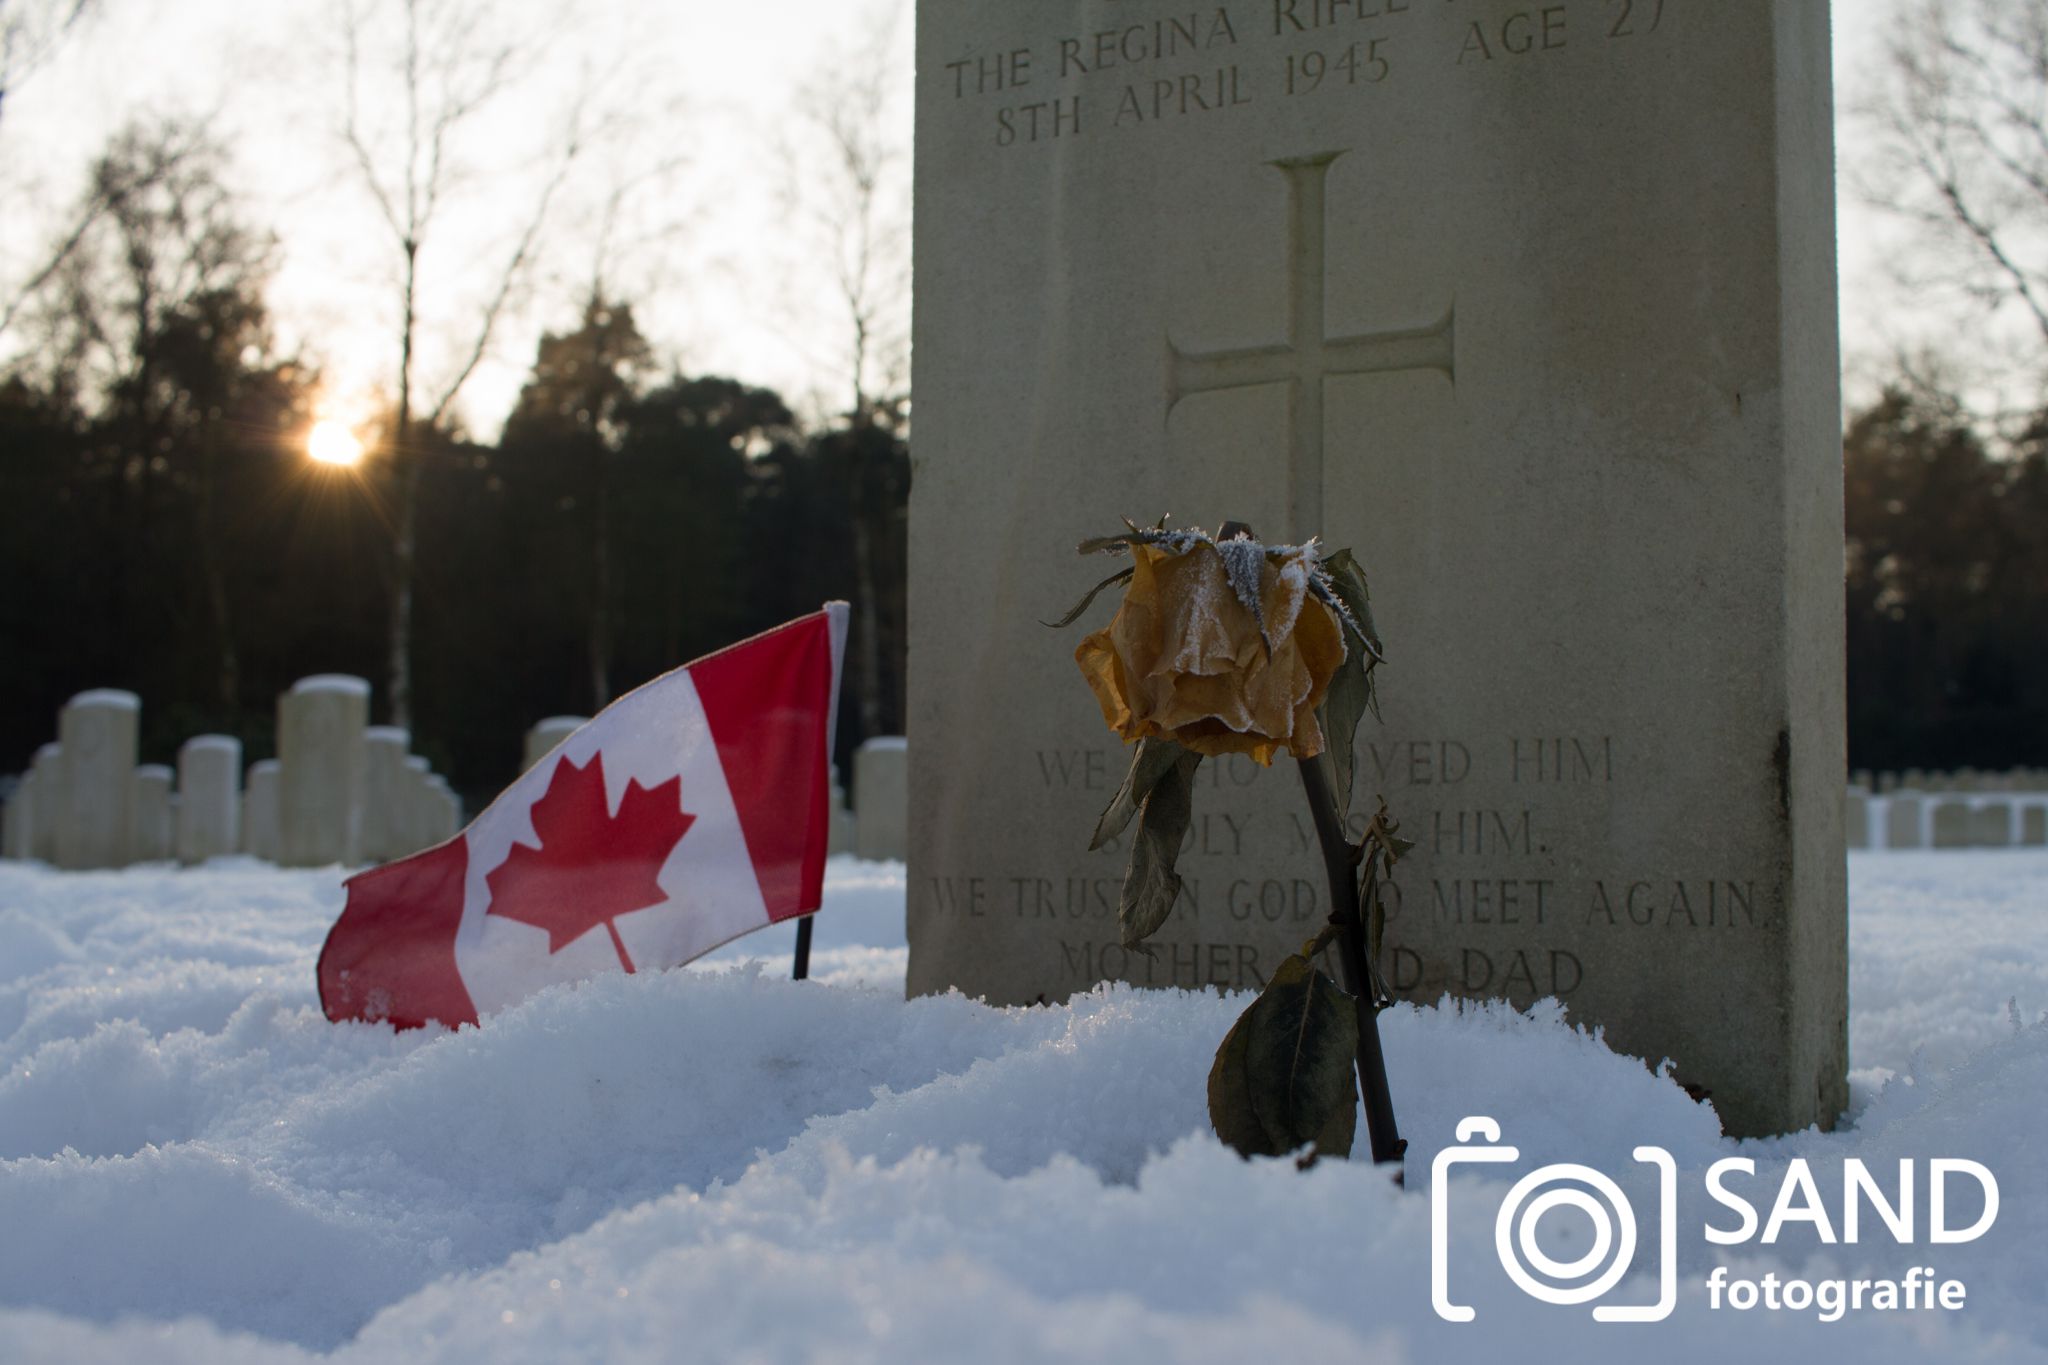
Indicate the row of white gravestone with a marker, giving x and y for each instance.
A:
(2021, 780)
(2004, 811)
(339, 791)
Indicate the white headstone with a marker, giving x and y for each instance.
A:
(1951, 823)
(542, 738)
(209, 798)
(384, 786)
(1856, 818)
(1992, 825)
(97, 731)
(151, 821)
(48, 773)
(259, 811)
(17, 821)
(1904, 820)
(842, 838)
(1534, 307)
(321, 777)
(416, 802)
(881, 798)
(444, 810)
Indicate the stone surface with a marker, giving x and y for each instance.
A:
(259, 811)
(443, 810)
(17, 820)
(49, 801)
(542, 738)
(1532, 306)
(1952, 823)
(1856, 818)
(321, 770)
(97, 733)
(1991, 825)
(152, 827)
(881, 798)
(841, 838)
(384, 831)
(1903, 821)
(209, 816)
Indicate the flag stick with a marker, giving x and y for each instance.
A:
(803, 950)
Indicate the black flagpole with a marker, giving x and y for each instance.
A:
(803, 949)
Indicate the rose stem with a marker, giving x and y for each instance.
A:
(1340, 859)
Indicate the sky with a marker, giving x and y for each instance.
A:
(727, 266)
(723, 264)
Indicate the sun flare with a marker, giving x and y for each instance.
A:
(333, 443)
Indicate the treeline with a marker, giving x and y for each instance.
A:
(166, 533)
(1947, 589)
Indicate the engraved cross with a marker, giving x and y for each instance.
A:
(1309, 355)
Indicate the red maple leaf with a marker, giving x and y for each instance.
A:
(591, 866)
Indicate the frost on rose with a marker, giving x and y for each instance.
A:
(1223, 647)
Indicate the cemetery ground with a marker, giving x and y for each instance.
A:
(721, 1164)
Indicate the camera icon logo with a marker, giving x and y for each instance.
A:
(1562, 1185)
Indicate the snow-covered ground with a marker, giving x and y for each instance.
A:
(722, 1165)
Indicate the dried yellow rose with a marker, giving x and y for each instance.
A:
(1187, 659)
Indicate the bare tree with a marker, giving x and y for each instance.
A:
(850, 169)
(849, 177)
(1958, 119)
(421, 79)
(30, 31)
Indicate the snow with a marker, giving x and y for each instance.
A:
(332, 682)
(880, 743)
(108, 697)
(394, 734)
(722, 1164)
(228, 742)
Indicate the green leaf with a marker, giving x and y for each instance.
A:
(1343, 707)
(1122, 576)
(1348, 578)
(1153, 760)
(1150, 883)
(1230, 1093)
(1284, 1078)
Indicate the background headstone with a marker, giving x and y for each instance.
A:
(542, 738)
(443, 810)
(841, 838)
(49, 801)
(1952, 823)
(384, 793)
(1856, 818)
(321, 758)
(152, 830)
(259, 811)
(2034, 826)
(881, 798)
(209, 798)
(416, 799)
(1902, 822)
(1535, 308)
(97, 734)
(17, 837)
(1992, 825)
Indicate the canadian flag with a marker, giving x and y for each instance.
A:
(688, 812)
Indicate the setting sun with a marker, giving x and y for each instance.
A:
(333, 443)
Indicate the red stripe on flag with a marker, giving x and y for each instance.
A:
(390, 958)
(768, 701)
